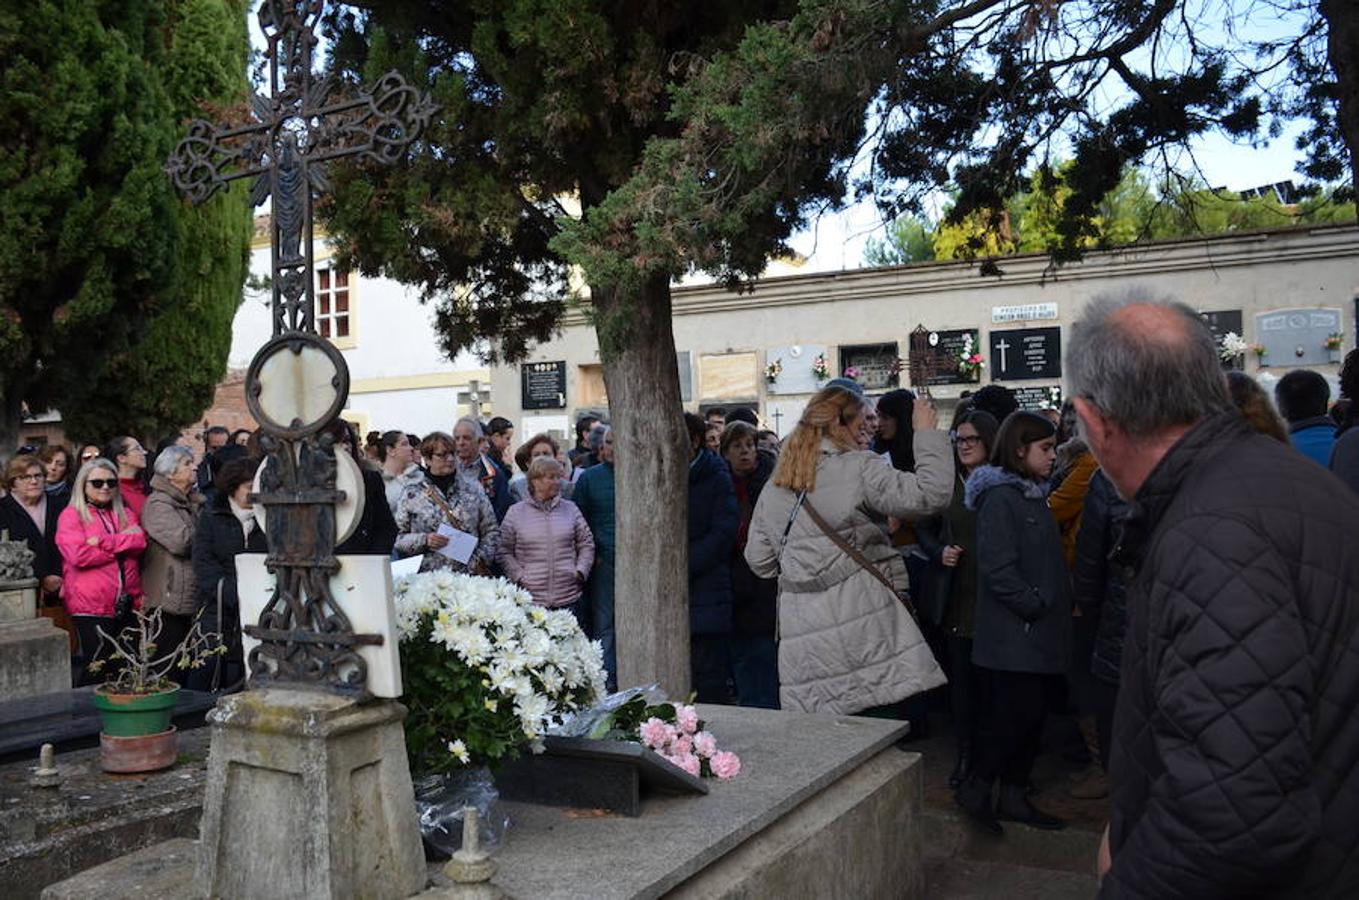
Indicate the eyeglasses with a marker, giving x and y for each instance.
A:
(970, 440)
(441, 454)
(31, 476)
(135, 448)
(89, 456)
(102, 483)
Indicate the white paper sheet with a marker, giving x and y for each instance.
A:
(460, 546)
(403, 568)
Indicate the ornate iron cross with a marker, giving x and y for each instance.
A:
(924, 361)
(298, 383)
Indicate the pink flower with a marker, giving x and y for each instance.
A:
(705, 745)
(682, 745)
(687, 719)
(656, 733)
(687, 761)
(725, 764)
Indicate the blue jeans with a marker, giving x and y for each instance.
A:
(755, 668)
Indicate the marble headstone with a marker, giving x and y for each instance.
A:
(1297, 337)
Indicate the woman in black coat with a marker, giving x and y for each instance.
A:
(226, 528)
(375, 532)
(712, 534)
(1022, 635)
(1101, 590)
(754, 651)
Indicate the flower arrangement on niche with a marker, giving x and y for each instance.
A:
(486, 671)
(1334, 341)
(1260, 350)
(1233, 345)
(773, 371)
(970, 362)
(672, 730)
(820, 367)
(851, 372)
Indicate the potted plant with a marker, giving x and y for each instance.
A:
(137, 699)
(1334, 341)
(1261, 351)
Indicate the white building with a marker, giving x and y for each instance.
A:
(399, 378)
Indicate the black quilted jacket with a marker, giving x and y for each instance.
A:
(1235, 763)
(1100, 586)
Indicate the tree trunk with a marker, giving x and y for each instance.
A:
(1342, 45)
(651, 446)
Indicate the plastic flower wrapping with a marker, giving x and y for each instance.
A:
(486, 671)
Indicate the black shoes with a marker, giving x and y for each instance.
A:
(974, 797)
(1014, 806)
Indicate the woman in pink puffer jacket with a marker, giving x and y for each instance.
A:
(545, 544)
(101, 544)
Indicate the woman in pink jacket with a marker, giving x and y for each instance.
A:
(545, 545)
(100, 543)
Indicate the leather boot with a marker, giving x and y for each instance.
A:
(963, 766)
(1014, 806)
(974, 796)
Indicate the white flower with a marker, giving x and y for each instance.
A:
(459, 749)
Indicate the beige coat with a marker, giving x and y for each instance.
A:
(169, 519)
(846, 642)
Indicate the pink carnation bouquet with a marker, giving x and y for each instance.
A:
(676, 733)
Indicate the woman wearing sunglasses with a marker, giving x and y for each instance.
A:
(100, 543)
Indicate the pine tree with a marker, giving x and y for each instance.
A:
(116, 297)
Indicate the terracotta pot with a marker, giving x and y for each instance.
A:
(144, 753)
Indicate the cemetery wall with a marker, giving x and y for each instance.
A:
(1283, 289)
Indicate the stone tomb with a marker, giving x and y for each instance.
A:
(35, 656)
(825, 806)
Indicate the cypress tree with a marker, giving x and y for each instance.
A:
(116, 298)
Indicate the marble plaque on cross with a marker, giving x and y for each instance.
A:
(362, 588)
(1297, 337)
(795, 361)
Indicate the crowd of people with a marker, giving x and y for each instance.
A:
(1182, 546)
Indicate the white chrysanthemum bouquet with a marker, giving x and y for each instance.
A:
(485, 670)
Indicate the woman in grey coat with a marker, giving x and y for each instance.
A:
(847, 643)
(1023, 621)
(169, 519)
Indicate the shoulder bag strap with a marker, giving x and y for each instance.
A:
(854, 554)
(447, 510)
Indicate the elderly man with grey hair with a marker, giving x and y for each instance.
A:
(170, 518)
(476, 468)
(1235, 768)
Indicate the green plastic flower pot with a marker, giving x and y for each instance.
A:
(132, 715)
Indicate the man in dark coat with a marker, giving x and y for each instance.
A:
(713, 521)
(1235, 768)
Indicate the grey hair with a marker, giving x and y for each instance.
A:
(1145, 380)
(596, 436)
(169, 459)
(477, 431)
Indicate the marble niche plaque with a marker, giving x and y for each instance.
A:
(730, 376)
(796, 359)
(1297, 337)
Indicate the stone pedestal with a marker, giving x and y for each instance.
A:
(308, 796)
(35, 655)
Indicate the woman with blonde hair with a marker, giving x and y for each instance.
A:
(848, 643)
(101, 543)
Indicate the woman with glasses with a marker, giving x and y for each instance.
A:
(30, 514)
(950, 542)
(128, 454)
(443, 498)
(101, 543)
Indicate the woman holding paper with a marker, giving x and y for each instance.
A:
(451, 523)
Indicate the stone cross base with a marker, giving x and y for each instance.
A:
(309, 796)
